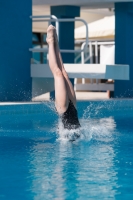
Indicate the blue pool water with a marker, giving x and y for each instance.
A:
(37, 162)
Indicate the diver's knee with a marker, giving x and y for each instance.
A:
(58, 73)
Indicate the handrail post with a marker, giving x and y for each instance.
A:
(56, 25)
(96, 56)
(83, 46)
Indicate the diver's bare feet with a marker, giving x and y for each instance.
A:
(50, 34)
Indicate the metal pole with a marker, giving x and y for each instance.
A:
(91, 56)
(83, 58)
(56, 25)
(96, 56)
(62, 50)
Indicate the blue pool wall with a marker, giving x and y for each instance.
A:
(124, 46)
(15, 41)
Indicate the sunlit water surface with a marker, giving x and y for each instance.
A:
(38, 162)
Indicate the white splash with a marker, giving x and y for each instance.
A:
(92, 127)
(96, 128)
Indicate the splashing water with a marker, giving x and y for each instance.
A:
(66, 135)
(95, 125)
(51, 105)
(96, 129)
(91, 128)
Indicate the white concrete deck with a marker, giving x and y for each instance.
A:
(79, 96)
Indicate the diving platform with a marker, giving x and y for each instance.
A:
(91, 71)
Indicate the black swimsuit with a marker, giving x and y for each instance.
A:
(70, 117)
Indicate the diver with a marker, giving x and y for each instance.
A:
(65, 98)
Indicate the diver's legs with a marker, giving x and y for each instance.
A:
(69, 86)
(61, 97)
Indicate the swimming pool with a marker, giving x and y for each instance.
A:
(38, 163)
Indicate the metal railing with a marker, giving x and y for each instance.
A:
(96, 43)
(90, 57)
(56, 20)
